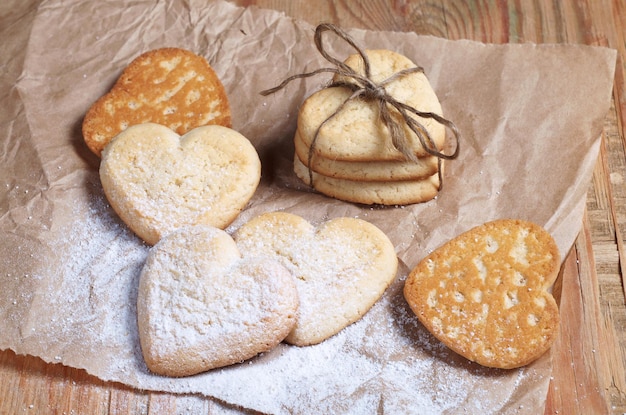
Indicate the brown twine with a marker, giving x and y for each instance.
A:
(364, 88)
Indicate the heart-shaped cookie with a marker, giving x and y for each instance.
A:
(158, 181)
(485, 293)
(168, 86)
(356, 133)
(342, 267)
(200, 305)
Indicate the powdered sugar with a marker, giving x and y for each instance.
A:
(83, 306)
(364, 369)
(384, 362)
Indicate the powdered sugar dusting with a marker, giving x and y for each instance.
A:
(88, 287)
(385, 362)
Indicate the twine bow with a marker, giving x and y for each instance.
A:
(363, 87)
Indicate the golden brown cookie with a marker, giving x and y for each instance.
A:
(485, 293)
(169, 86)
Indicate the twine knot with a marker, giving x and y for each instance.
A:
(375, 92)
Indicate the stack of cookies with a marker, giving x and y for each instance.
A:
(343, 150)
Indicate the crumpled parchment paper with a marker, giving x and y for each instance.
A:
(530, 118)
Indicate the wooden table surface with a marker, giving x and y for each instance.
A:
(589, 375)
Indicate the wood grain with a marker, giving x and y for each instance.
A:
(579, 367)
(590, 356)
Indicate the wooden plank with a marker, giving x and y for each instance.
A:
(10, 387)
(580, 363)
(611, 252)
(126, 401)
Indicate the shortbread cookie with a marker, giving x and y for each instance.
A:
(485, 293)
(170, 86)
(158, 181)
(342, 267)
(356, 134)
(376, 171)
(402, 192)
(201, 306)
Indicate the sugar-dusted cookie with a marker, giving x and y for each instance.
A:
(158, 181)
(169, 86)
(485, 293)
(357, 134)
(200, 305)
(375, 171)
(342, 267)
(401, 192)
